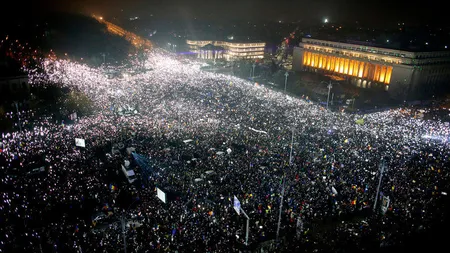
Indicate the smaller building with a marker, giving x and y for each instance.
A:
(210, 52)
(210, 49)
(13, 84)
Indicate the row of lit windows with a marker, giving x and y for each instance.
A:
(252, 49)
(244, 54)
(353, 54)
(366, 70)
(247, 49)
(258, 50)
(224, 43)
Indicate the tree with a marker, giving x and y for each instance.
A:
(78, 102)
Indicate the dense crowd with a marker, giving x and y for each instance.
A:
(245, 140)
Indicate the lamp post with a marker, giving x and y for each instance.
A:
(283, 187)
(122, 220)
(253, 73)
(124, 234)
(247, 226)
(285, 80)
(281, 208)
(330, 86)
(239, 210)
(329, 90)
(18, 116)
(382, 167)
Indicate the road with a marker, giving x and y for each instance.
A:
(133, 38)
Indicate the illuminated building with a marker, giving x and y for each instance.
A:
(231, 50)
(210, 52)
(14, 84)
(400, 72)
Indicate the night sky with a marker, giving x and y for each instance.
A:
(375, 12)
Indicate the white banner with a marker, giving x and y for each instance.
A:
(258, 131)
(80, 142)
(161, 195)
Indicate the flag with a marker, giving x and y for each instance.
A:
(360, 121)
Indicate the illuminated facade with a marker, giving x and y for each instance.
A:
(231, 50)
(396, 71)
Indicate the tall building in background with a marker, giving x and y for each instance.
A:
(402, 73)
(209, 49)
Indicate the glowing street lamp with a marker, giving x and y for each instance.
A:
(325, 20)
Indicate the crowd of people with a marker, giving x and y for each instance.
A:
(208, 138)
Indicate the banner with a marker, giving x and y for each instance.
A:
(80, 142)
(161, 195)
(237, 205)
(73, 116)
(258, 131)
(385, 204)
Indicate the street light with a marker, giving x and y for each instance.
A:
(382, 167)
(285, 80)
(283, 189)
(247, 226)
(330, 86)
(122, 220)
(18, 115)
(253, 75)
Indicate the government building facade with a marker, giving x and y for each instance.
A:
(209, 49)
(403, 74)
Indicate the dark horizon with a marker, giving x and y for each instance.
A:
(339, 11)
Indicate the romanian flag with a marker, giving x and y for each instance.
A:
(354, 202)
(112, 187)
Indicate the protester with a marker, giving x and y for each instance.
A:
(239, 130)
